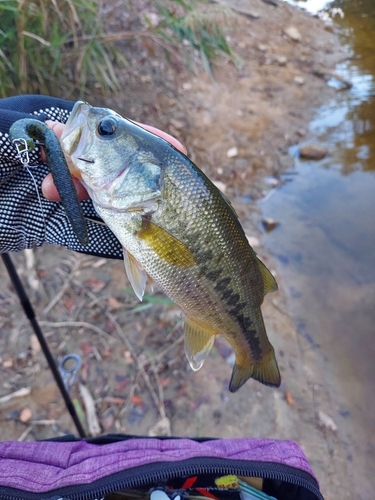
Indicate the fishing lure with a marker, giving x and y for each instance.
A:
(24, 133)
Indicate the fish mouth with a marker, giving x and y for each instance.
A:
(75, 135)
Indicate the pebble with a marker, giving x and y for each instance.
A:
(293, 33)
(253, 241)
(269, 224)
(313, 151)
(220, 185)
(25, 415)
(281, 60)
(232, 152)
(299, 80)
(327, 421)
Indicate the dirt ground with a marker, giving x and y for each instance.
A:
(133, 363)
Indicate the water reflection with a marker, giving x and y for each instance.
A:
(325, 243)
(350, 121)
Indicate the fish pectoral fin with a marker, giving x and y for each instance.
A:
(136, 274)
(198, 343)
(265, 371)
(269, 281)
(166, 246)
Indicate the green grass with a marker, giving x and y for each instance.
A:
(49, 44)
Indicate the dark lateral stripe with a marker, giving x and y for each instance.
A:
(214, 275)
(222, 285)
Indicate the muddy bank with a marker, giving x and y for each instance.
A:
(237, 128)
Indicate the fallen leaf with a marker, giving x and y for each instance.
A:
(95, 285)
(289, 398)
(113, 303)
(136, 400)
(69, 304)
(86, 348)
(114, 400)
(8, 363)
(35, 344)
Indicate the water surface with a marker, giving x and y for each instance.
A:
(325, 243)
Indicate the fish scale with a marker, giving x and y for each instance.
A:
(179, 230)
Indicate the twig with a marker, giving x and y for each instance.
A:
(44, 422)
(124, 339)
(82, 324)
(25, 433)
(128, 400)
(161, 354)
(25, 391)
(92, 419)
(160, 390)
(76, 266)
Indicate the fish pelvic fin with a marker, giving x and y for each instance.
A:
(198, 343)
(269, 282)
(265, 371)
(136, 274)
(166, 246)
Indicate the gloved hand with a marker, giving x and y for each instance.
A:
(27, 218)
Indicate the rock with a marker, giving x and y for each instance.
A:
(26, 415)
(178, 124)
(269, 224)
(299, 80)
(253, 241)
(313, 151)
(275, 3)
(293, 33)
(161, 428)
(281, 60)
(220, 185)
(272, 181)
(262, 48)
(327, 421)
(232, 152)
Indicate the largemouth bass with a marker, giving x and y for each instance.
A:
(178, 230)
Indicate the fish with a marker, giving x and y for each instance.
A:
(179, 231)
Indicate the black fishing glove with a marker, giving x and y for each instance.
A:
(27, 219)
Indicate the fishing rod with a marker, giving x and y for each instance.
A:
(30, 314)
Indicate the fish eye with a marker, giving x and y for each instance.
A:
(107, 126)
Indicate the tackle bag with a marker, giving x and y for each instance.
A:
(120, 467)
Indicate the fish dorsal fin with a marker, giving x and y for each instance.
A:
(198, 343)
(269, 281)
(136, 274)
(166, 246)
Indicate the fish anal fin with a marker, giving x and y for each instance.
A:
(167, 247)
(198, 343)
(269, 281)
(136, 274)
(265, 371)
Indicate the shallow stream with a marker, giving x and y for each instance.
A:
(325, 242)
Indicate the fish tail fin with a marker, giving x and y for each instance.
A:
(265, 371)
